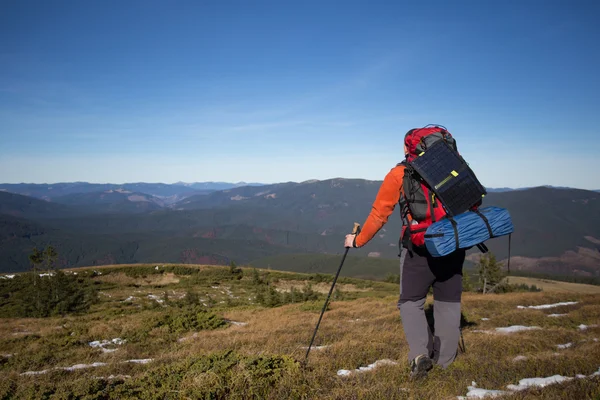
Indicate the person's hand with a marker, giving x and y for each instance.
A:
(349, 240)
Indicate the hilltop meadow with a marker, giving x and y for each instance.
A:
(184, 332)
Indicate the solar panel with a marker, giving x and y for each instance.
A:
(450, 178)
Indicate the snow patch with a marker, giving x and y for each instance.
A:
(183, 339)
(345, 372)
(102, 344)
(156, 298)
(510, 329)
(519, 358)
(545, 306)
(7, 276)
(477, 393)
(71, 368)
(83, 366)
(142, 361)
(564, 346)
(238, 198)
(238, 323)
(317, 348)
(556, 315)
(584, 327)
(538, 382)
(485, 319)
(113, 377)
(130, 298)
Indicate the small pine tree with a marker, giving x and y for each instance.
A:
(489, 271)
(36, 258)
(467, 285)
(235, 270)
(50, 256)
(256, 277)
(191, 298)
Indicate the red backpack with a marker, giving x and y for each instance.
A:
(419, 207)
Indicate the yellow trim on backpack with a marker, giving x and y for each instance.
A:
(454, 173)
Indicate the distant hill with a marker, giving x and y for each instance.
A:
(556, 230)
(167, 192)
(118, 201)
(17, 205)
(212, 186)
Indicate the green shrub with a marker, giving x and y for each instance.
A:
(313, 306)
(212, 376)
(176, 321)
(29, 295)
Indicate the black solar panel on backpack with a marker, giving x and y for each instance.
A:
(450, 178)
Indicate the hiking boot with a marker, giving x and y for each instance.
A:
(420, 366)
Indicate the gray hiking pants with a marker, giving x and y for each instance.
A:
(417, 275)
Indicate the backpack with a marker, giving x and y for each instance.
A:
(419, 205)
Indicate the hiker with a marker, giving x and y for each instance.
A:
(419, 270)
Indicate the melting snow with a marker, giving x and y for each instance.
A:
(516, 328)
(538, 382)
(564, 346)
(83, 366)
(183, 339)
(238, 323)
(544, 306)
(113, 377)
(72, 368)
(142, 361)
(103, 343)
(345, 372)
(556, 315)
(476, 393)
(130, 298)
(7, 276)
(584, 327)
(155, 297)
(520, 358)
(485, 319)
(318, 348)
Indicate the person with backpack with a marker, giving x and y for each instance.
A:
(419, 270)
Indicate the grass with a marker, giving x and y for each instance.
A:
(548, 285)
(234, 348)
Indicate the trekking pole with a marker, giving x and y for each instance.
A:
(355, 231)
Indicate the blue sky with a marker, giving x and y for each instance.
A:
(166, 91)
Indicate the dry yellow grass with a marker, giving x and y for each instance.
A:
(555, 286)
(321, 287)
(150, 280)
(355, 334)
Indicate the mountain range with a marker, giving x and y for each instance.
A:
(556, 230)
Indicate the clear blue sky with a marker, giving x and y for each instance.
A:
(166, 91)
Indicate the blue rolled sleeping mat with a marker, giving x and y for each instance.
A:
(467, 230)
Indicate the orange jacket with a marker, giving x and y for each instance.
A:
(383, 206)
